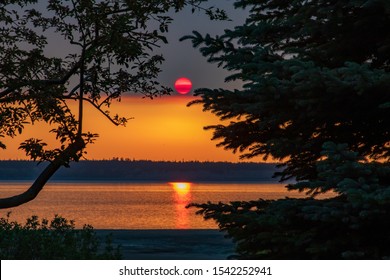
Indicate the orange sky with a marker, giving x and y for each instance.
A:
(162, 129)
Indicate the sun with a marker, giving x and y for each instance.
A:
(183, 85)
(181, 188)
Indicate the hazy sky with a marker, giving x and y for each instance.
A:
(163, 128)
(183, 59)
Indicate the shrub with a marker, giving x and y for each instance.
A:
(57, 239)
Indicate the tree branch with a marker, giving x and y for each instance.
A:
(44, 82)
(73, 91)
(42, 179)
(96, 107)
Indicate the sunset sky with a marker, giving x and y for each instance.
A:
(163, 128)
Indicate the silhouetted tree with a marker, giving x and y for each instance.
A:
(315, 95)
(108, 49)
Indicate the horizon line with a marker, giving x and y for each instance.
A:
(119, 159)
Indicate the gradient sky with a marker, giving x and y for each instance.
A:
(163, 128)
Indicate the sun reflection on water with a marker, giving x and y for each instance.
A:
(181, 198)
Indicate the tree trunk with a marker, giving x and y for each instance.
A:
(42, 179)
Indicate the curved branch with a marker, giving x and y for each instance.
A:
(42, 179)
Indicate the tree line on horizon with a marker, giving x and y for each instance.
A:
(126, 159)
(143, 171)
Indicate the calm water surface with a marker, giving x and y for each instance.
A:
(134, 205)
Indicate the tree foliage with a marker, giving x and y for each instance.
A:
(107, 48)
(315, 96)
(313, 71)
(354, 224)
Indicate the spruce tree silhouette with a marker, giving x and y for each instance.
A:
(316, 97)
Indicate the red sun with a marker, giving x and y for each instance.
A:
(183, 85)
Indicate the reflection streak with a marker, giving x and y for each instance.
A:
(181, 198)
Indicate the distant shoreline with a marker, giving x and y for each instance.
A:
(87, 181)
(143, 171)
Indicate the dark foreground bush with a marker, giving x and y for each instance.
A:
(57, 239)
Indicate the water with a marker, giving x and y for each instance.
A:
(107, 205)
